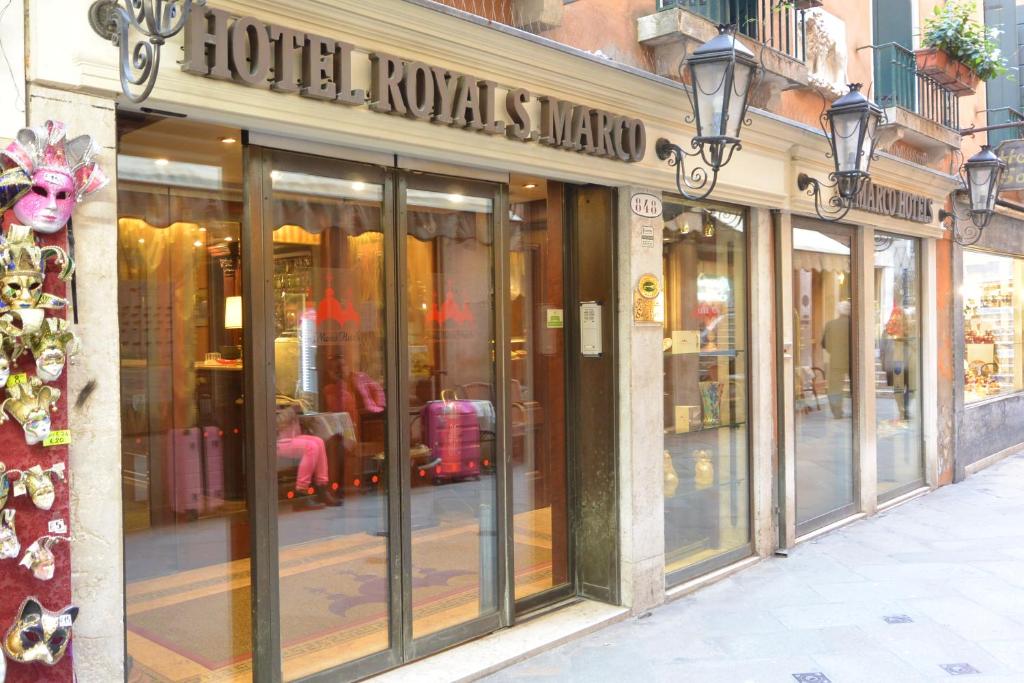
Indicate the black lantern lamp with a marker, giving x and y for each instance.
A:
(981, 174)
(852, 132)
(722, 73)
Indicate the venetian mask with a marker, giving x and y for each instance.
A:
(51, 346)
(40, 484)
(22, 274)
(30, 404)
(39, 635)
(21, 290)
(9, 545)
(39, 558)
(47, 207)
(63, 173)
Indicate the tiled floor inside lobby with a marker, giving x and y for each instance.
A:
(928, 590)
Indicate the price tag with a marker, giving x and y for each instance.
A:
(64, 620)
(58, 467)
(19, 488)
(15, 380)
(59, 437)
(57, 526)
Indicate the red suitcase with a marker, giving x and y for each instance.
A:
(451, 430)
(185, 476)
(213, 458)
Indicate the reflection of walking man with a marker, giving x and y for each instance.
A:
(836, 340)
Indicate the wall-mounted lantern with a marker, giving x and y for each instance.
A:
(722, 73)
(852, 131)
(982, 174)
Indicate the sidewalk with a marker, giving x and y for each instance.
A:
(926, 591)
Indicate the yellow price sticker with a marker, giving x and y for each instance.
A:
(15, 380)
(59, 437)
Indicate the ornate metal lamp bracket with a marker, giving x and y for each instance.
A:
(696, 180)
(835, 207)
(139, 29)
(967, 230)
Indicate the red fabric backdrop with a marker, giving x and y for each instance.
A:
(16, 582)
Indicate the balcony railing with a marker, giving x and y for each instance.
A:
(1004, 115)
(898, 83)
(774, 23)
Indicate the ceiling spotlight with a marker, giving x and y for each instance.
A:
(358, 186)
(229, 140)
(197, 243)
(529, 186)
(161, 162)
(455, 198)
(229, 238)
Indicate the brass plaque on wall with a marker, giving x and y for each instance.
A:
(648, 303)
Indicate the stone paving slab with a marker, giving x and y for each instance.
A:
(932, 590)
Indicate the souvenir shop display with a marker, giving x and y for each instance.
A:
(44, 174)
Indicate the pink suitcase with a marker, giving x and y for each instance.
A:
(185, 471)
(213, 458)
(451, 430)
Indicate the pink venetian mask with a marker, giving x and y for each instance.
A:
(63, 173)
(47, 207)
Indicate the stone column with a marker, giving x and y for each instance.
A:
(763, 381)
(641, 437)
(866, 474)
(97, 582)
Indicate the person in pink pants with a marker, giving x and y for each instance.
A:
(312, 455)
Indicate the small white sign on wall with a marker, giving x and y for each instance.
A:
(647, 236)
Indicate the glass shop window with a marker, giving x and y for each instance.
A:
(705, 357)
(993, 333)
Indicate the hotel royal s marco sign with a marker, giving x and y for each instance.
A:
(261, 55)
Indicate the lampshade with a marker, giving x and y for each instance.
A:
(233, 313)
(983, 172)
(853, 122)
(721, 72)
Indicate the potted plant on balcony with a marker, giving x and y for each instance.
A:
(957, 51)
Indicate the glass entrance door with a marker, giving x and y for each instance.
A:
(825, 393)
(387, 430)
(450, 404)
